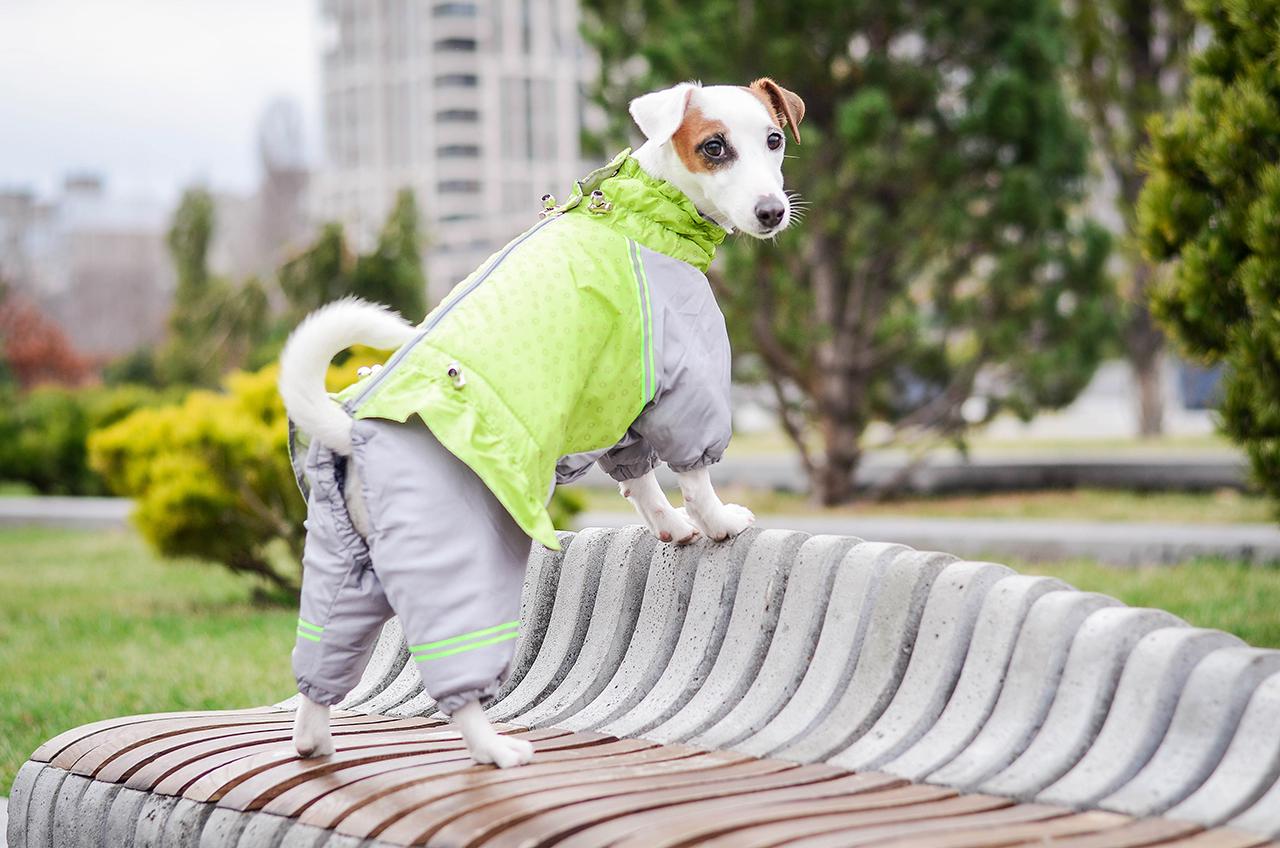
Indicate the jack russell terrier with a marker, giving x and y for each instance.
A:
(594, 337)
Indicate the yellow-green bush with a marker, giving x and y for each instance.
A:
(212, 478)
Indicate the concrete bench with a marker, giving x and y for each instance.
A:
(783, 688)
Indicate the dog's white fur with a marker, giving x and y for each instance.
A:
(729, 196)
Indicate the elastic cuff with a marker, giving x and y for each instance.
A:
(321, 696)
(701, 462)
(633, 470)
(449, 704)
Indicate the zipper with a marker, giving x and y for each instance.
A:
(440, 316)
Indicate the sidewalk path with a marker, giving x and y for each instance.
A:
(78, 513)
(1109, 542)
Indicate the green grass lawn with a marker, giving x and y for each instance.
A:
(1223, 507)
(93, 625)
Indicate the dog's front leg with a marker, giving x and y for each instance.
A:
(485, 744)
(663, 520)
(716, 520)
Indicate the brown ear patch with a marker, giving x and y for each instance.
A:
(786, 105)
(695, 129)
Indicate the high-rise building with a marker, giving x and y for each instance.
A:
(475, 105)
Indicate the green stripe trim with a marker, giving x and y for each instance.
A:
(646, 322)
(465, 637)
(309, 626)
(448, 652)
(305, 635)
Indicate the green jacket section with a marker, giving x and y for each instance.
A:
(547, 349)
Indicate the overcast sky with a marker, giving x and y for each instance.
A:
(152, 94)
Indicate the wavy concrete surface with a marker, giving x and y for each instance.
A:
(817, 649)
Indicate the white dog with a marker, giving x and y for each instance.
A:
(593, 337)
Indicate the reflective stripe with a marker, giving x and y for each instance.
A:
(448, 652)
(309, 626)
(305, 635)
(465, 637)
(646, 323)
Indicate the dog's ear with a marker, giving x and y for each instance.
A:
(787, 105)
(660, 113)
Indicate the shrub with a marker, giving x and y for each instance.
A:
(212, 476)
(43, 434)
(1210, 206)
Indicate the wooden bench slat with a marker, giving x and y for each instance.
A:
(254, 793)
(319, 784)
(466, 817)
(380, 798)
(578, 823)
(871, 826)
(987, 835)
(77, 742)
(117, 763)
(1133, 835)
(694, 814)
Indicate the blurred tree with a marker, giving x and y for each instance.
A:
(1212, 204)
(34, 349)
(939, 259)
(1129, 61)
(391, 274)
(213, 322)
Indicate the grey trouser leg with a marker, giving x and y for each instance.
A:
(450, 557)
(343, 606)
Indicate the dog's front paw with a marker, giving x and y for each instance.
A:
(501, 751)
(726, 522)
(674, 525)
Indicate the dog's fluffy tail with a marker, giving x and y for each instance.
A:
(322, 335)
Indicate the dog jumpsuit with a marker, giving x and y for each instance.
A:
(592, 337)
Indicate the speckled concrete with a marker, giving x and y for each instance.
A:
(860, 654)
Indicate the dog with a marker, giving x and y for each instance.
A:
(591, 338)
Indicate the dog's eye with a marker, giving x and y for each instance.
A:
(774, 140)
(714, 148)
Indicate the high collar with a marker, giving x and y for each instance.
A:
(652, 211)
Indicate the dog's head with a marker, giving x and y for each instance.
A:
(722, 146)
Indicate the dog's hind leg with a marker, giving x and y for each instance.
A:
(311, 734)
(484, 743)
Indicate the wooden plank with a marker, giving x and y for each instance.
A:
(254, 793)
(689, 816)
(987, 835)
(386, 793)
(46, 752)
(116, 760)
(1137, 833)
(577, 823)
(470, 816)
(319, 785)
(67, 747)
(1222, 837)
(790, 821)
(211, 777)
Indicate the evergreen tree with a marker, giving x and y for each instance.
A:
(1212, 205)
(391, 274)
(1129, 61)
(939, 258)
(213, 323)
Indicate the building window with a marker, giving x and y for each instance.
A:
(457, 81)
(454, 10)
(458, 186)
(458, 116)
(456, 45)
(459, 217)
(458, 151)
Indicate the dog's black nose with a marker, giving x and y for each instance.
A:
(769, 212)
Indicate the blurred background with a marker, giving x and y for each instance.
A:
(1028, 313)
